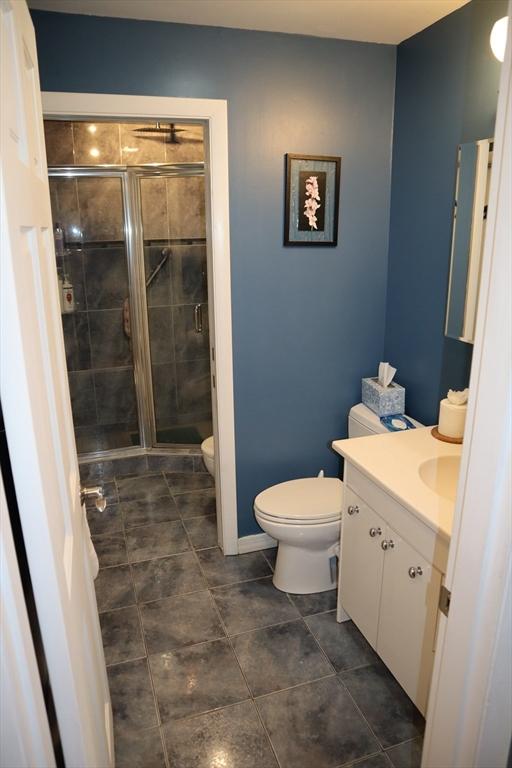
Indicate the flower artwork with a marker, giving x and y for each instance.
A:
(312, 201)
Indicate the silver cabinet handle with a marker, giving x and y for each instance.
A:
(413, 572)
(95, 491)
(353, 509)
(375, 532)
(198, 318)
(387, 544)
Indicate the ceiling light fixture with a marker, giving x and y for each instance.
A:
(499, 38)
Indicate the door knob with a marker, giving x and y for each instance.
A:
(413, 572)
(353, 509)
(375, 532)
(95, 492)
(387, 544)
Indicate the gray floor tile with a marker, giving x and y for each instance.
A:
(131, 465)
(182, 482)
(318, 602)
(376, 761)
(108, 521)
(145, 487)
(111, 549)
(139, 749)
(343, 643)
(180, 621)
(406, 755)
(220, 570)
(391, 714)
(271, 556)
(114, 588)
(202, 531)
(167, 576)
(141, 512)
(121, 634)
(133, 703)
(232, 737)
(179, 462)
(157, 540)
(196, 503)
(279, 657)
(253, 604)
(197, 679)
(316, 725)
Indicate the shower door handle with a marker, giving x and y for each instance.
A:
(198, 318)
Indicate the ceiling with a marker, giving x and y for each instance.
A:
(376, 21)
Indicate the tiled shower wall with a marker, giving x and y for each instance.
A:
(99, 357)
(83, 143)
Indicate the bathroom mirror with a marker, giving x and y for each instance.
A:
(474, 161)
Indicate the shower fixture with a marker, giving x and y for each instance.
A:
(169, 130)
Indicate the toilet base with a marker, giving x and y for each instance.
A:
(304, 571)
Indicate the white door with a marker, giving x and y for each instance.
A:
(408, 617)
(361, 565)
(37, 411)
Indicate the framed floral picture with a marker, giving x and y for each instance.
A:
(311, 200)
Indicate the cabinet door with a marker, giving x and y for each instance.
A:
(408, 615)
(361, 565)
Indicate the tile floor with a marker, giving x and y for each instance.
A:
(209, 665)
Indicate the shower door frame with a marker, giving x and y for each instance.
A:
(213, 115)
(130, 177)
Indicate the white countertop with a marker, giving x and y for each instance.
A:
(392, 461)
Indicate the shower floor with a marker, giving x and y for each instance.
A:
(209, 664)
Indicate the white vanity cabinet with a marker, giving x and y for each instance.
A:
(389, 581)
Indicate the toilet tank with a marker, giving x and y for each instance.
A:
(362, 422)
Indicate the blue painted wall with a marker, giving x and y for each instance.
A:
(308, 323)
(446, 93)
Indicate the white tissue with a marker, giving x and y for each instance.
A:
(386, 373)
(458, 397)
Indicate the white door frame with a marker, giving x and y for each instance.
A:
(470, 708)
(215, 115)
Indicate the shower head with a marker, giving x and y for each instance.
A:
(169, 130)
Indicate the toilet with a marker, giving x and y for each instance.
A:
(208, 451)
(304, 516)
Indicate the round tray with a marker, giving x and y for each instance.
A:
(438, 436)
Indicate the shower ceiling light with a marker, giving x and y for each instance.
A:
(499, 38)
(92, 128)
(94, 152)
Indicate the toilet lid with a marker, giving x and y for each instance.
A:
(207, 447)
(308, 500)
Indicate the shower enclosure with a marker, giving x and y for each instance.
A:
(133, 282)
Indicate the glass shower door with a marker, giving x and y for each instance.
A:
(173, 228)
(93, 281)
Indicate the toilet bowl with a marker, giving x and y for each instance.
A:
(208, 451)
(304, 517)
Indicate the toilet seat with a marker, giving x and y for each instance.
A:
(207, 447)
(307, 501)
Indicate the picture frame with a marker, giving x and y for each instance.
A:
(312, 196)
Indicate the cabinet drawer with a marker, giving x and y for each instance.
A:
(407, 620)
(360, 575)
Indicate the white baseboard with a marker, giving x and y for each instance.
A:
(255, 542)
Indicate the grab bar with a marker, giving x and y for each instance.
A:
(198, 318)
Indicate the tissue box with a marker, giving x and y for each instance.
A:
(384, 401)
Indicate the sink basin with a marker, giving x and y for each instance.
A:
(441, 475)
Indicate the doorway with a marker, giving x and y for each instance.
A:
(211, 114)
